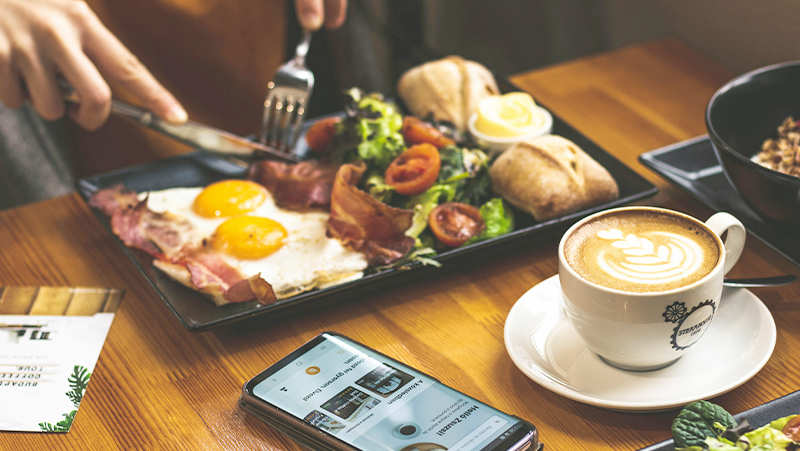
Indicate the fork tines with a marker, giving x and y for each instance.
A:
(283, 115)
(286, 100)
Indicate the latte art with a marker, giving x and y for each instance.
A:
(642, 251)
(638, 259)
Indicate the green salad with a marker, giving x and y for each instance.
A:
(399, 153)
(703, 425)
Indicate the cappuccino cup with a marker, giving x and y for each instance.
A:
(641, 284)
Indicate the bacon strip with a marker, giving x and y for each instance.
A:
(169, 239)
(297, 187)
(112, 199)
(365, 223)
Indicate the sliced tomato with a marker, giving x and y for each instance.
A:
(454, 223)
(320, 134)
(416, 131)
(415, 170)
(792, 429)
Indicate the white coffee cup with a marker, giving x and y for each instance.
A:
(664, 299)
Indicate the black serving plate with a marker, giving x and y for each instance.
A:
(757, 416)
(693, 166)
(201, 168)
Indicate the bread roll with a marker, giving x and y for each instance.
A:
(449, 88)
(550, 176)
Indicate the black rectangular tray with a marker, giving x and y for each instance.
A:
(757, 416)
(693, 166)
(200, 168)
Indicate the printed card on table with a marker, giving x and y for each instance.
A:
(50, 340)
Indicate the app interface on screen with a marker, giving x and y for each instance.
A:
(359, 397)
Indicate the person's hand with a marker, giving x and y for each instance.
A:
(41, 40)
(312, 14)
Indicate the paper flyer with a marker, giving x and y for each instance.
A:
(50, 340)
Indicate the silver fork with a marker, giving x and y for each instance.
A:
(286, 100)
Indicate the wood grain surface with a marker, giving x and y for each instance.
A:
(158, 386)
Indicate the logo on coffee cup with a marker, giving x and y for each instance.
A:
(690, 326)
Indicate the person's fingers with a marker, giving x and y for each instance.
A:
(40, 81)
(11, 92)
(335, 13)
(66, 52)
(310, 14)
(118, 64)
(92, 89)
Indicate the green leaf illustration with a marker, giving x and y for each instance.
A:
(77, 382)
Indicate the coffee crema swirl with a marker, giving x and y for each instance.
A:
(642, 251)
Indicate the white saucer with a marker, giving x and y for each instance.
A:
(544, 345)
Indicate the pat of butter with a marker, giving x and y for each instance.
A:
(512, 114)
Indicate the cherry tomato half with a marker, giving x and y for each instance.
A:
(792, 429)
(416, 131)
(415, 170)
(320, 134)
(454, 223)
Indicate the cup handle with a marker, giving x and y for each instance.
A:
(734, 242)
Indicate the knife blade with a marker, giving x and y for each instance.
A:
(195, 134)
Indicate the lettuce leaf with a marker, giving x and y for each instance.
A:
(370, 131)
(376, 186)
(499, 220)
(424, 203)
(781, 422)
(766, 438)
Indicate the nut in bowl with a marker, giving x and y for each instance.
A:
(502, 121)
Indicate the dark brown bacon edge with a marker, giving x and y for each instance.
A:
(302, 186)
(364, 222)
(167, 238)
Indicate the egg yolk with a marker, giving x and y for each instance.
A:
(229, 198)
(512, 114)
(249, 237)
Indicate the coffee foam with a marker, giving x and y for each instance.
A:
(642, 251)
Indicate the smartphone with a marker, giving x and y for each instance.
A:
(333, 393)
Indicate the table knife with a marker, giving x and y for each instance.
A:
(192, 133)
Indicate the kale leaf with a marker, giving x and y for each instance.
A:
(469, 170)
(699, 420)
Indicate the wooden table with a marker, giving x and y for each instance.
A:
(158, 386)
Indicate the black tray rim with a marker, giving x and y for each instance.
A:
(641, 187)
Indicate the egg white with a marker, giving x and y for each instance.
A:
(308, 259)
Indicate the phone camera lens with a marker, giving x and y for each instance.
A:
(408, 430)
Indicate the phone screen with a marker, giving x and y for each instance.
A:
(371, 402)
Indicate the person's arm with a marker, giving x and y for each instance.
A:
(41, 40)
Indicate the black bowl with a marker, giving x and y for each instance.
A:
(739, 117)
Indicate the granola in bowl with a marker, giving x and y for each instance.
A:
(783, 153)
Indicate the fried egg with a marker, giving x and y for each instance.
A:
(240, 221)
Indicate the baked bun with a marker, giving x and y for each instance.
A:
(449, 89)
(550, 176)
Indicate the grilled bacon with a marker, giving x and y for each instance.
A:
(365, 223)
(170, 239)
(297, 187)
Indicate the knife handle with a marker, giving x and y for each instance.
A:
(118, 108)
